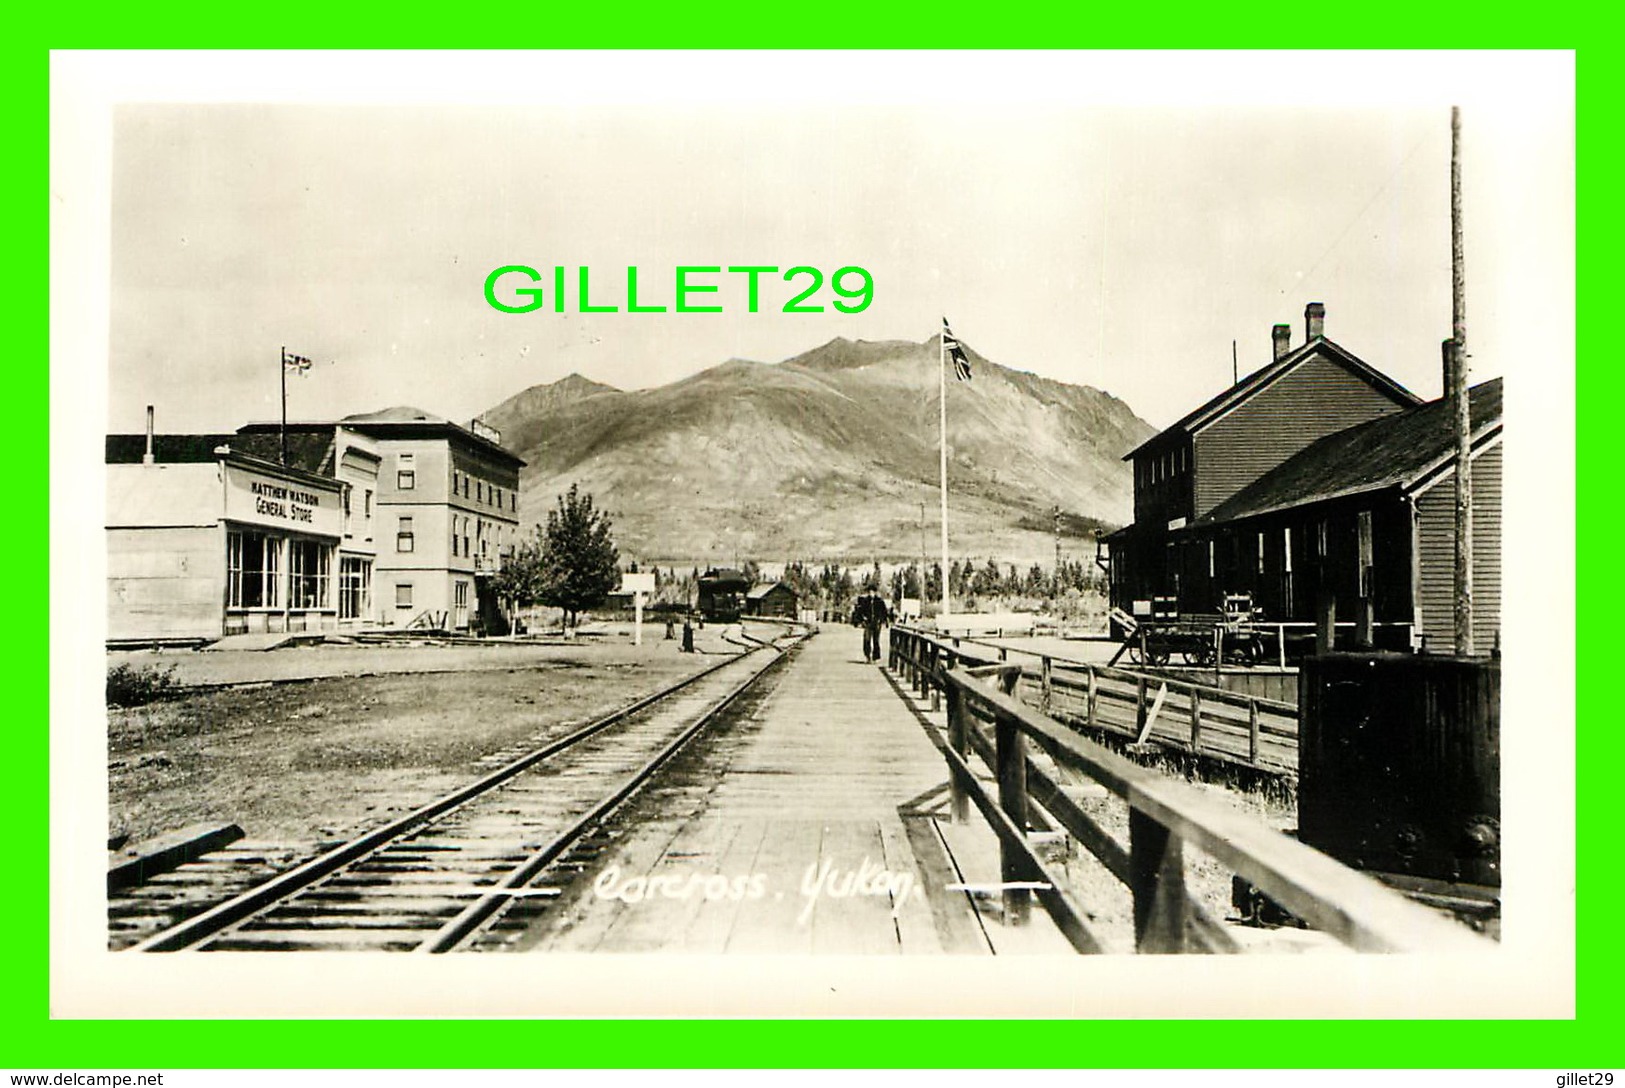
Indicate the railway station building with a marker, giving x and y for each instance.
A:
(1315, 476)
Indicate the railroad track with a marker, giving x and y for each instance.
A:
(473, 868)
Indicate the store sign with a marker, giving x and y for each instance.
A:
(262, 499)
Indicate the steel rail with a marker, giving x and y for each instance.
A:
(210, 923)
(473, 918)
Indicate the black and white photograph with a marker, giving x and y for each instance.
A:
(947, 523)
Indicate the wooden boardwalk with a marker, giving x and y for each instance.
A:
(810, 827)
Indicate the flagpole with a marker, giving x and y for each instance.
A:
(942, 412)
(282, 367)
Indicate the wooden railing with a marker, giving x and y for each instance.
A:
(1200, 719)
(1164, 814)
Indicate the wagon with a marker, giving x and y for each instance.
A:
(1198, 638)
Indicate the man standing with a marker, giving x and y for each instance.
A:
(871, 614)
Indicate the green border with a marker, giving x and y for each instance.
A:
(28, 1039)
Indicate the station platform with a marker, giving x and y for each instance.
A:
(818, 825)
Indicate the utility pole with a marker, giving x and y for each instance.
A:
(282, 369)
(1057, 579)
(1456, 389)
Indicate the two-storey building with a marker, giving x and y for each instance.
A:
(1314, 480)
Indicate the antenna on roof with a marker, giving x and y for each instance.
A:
(1235, 372)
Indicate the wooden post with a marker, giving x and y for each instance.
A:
(1218, 655)
(939, 665)
(1325, 623)
(1090, 701)
(1045, 680)
(1139, 708)
(959, 741)
(1157, 879)
(1280, 642)
(1011, 752)
(1252, 731)
(1196, 720)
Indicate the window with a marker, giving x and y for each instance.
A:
(479, 490)
(355, 586)
(366, 507)
(406, 480)
(460, 604)
(403, 595)
(344, 503)
(499, 498)
(309, 571)
(252, 570)
(404, 541)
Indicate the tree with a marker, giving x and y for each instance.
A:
(580, 565)
(520, 582)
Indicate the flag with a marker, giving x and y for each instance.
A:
(299, 364)
(955, 352)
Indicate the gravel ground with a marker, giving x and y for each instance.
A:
(308, 761)
(303, 662)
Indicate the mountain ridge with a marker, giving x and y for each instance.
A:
(829, 453)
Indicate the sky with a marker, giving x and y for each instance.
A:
(1110, 220)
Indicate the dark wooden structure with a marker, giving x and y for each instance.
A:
(1399, 765)
(774, 599)
(722, 594)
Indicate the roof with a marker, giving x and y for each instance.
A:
(167, 449)
(401, 421)
(1401, 450)
(758, 592)
(401, 413)
(1260, 379)
(312, 453)
(726, 574)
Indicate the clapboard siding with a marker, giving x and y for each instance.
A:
(1316, 398)
(165, 583)
(1436, 548)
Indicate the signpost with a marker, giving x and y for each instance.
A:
(637, 585)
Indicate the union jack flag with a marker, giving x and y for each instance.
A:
(956, 352)
(296, 363)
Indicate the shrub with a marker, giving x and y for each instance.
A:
(138, 685)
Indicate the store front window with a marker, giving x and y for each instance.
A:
(253, 570)
(309, 574)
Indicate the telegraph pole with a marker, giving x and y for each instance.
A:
(1457, 391)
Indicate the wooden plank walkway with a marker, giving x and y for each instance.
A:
(814, 833)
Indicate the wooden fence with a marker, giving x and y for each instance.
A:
(1198, 719)
(1163, 815)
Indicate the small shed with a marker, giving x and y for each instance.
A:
(772, 599)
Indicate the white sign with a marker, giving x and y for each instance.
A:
(259, 498)
(638, 583)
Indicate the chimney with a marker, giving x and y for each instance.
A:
(1282, 335)
(1314, 320)
(146, 458)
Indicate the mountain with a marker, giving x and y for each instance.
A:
(828, 454)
